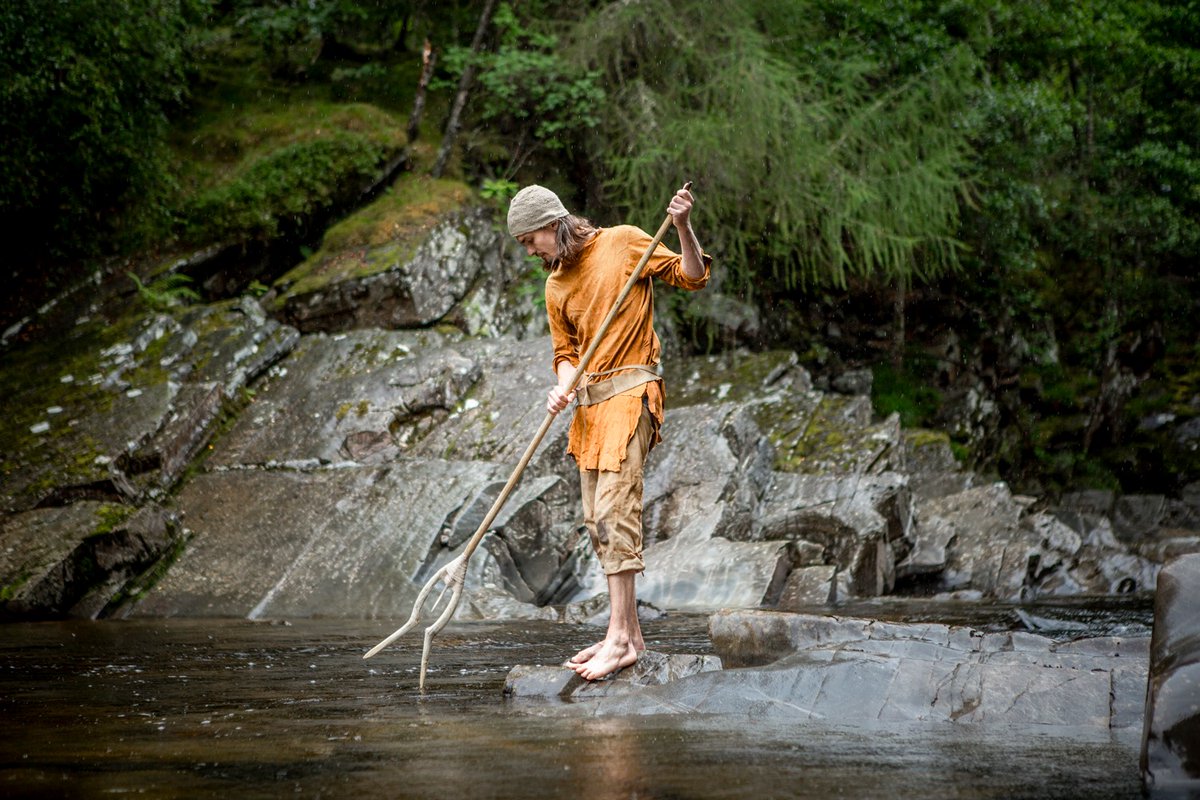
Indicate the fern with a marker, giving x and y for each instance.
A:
(166, 292)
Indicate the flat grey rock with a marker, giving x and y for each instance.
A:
(866, 672)
(541, 684)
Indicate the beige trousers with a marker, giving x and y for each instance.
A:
(612, 504)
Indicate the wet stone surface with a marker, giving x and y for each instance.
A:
(558, 683)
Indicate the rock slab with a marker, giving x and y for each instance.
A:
(557, 683)
(868, 673)
(1171, 736)
(69, 561)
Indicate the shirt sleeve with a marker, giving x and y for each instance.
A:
(562, 335)
(664, 264)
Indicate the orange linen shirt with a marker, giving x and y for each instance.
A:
(578, 298)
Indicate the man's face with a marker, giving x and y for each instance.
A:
(541, 243)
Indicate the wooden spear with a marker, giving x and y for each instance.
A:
(453, 575)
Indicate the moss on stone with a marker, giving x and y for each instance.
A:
(110, 516)
(137, 588)
(733, 376)
(10, 590)
(814, 433)
(926, 437)
(54, 449)
(229, 140)
(381, 236)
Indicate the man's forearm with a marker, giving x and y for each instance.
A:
(566, 374)
(693, 255)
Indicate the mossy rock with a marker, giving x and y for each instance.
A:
(71, 560)
(830, 434)
(929, 451)
(254, 175)
(377, 237)
(86, 408)
(734, 376)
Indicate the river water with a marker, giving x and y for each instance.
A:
(186, 707)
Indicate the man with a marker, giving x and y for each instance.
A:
(621, 398)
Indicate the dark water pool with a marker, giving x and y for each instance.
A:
(182, 708)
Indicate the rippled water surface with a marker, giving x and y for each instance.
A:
(172, 708)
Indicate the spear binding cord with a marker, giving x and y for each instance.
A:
(453, 575)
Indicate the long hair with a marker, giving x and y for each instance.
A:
(572, 234)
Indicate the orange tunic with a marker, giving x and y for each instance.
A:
(578, 298)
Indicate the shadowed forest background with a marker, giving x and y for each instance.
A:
(993, 206)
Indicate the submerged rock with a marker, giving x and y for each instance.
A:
(538, 684)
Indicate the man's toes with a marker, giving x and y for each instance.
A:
(586, 653)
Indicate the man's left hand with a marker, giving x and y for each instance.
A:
(680, 209)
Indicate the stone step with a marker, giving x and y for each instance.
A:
(544, 684)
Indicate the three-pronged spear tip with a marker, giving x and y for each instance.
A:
(453, 575)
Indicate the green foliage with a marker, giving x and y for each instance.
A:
(499, 190)
(86, 87)
(284, 186)
(285, 29)
(810, 169)
(1088, 139)
(166, 292)
(527, 92)
(1037, 164)
(291, 33)
(257, 288)
(904, 393)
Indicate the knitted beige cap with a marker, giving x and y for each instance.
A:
(532, 208)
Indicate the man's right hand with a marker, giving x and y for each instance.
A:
(557, 400)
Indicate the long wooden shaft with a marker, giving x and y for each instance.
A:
(580, 370)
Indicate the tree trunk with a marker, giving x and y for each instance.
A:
(1116, 384)
(428, 60)
(464, 87)
(900, 334)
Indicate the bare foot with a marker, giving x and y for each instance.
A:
(612, 656)
(587, 653)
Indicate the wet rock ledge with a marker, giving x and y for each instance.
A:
(860, 672)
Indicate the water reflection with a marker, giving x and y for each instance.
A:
(203, 707)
